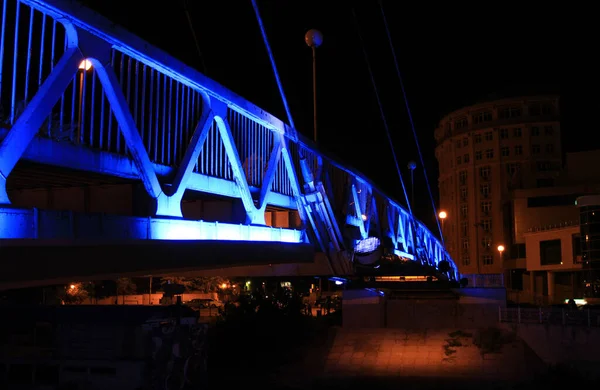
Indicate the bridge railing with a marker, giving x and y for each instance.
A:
(73, 78)
(550, 316)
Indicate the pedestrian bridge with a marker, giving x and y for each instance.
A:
(129, 143)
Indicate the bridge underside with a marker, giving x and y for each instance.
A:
(27, 263)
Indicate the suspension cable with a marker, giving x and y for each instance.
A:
(196, 42)
(273, 65)
(385, 124)
(410, 118)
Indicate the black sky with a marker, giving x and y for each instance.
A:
(449, 57)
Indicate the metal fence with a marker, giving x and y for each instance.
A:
(550, 316)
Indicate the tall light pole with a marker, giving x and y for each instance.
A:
(412, 166)
(443, 215)
(314, 39)
(84, 66)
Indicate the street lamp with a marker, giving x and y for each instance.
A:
(442, 215)
(84, 66)
(500, 250)
(314, 39)
(412, 166)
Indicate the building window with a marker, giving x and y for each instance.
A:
(509, 112)
(489, 153)
(464, 193)
(505, 151)
(487, 259)
(466, 158)
(535, 149)
(503, 133)
(535, 131)
(461, 123)
(464, 211)
(486, 207)
(489, 136)
(462, 178)
(465, 259)
(458, 160)
(518, 150)
(485, 190)
(464, 228)
(517, 133)
(486, 225)
(550, 252)
(486, 242)
(477, 138)
(478, 155)
(465, 243)
(465, 141)
(512, 168)
(548, 130)
(485, 172)
(480, 117)
(549, 148)
(458, 144)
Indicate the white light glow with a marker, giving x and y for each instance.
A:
(85, 65)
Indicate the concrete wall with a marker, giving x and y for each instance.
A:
(567, 345)
(362, 309)
(470, 309)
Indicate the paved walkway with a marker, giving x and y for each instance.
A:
(434, 353)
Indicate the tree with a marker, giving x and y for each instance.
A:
(74, 293)
(204, 285)
(444, 266)
(125, 286)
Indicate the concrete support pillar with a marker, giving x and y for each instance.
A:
(550, 287)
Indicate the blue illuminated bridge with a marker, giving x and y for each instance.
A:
(117, 159)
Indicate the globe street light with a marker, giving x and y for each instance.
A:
(443, 215)
(314, 39)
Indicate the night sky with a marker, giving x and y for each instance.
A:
(448, 58)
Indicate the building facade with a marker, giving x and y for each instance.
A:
(485, 152)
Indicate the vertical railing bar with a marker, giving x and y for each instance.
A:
(14, 75)
(109, 135)
(183, 130)
(29, 55)
(156, 117)
(93, 109)
(150, 131)
(164, 124)
(52, 50)
(82, 105)
(74, 125)
(121, 80)
(42, 41)
(170, 121)
(2, 37)
(143, 118)
(101, 131)
(136, 93)
(176, 135)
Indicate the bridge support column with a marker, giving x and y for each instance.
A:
(169, 206)
(3, 194)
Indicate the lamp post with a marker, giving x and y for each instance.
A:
(412, 166)
(443, 215)
(84, 66)
(314, 39)
(501, 253)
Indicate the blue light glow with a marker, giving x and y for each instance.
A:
(367, 245)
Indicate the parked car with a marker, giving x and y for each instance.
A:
(204, 303)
